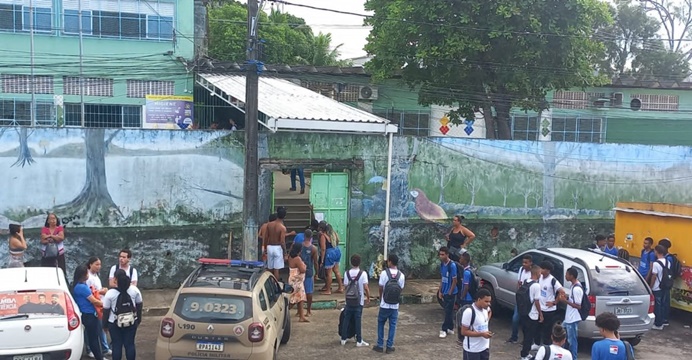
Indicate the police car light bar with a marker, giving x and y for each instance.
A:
(246, 263)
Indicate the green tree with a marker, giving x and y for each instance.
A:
(655, 62)
(487, 55)
(285, 39)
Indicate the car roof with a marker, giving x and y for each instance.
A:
(591, 258)
(230, 278)
(30, 278)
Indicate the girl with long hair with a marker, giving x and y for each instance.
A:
(87, 304)
(17, 246)
(94, 283)
(331, 255)
(124, 296)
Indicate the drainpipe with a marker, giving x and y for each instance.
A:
(388, 196)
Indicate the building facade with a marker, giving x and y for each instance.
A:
(124, 50)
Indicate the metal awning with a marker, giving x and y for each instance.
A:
(288, 106)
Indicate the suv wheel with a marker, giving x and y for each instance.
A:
(287, 330)
(635, 341)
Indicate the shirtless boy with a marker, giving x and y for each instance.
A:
(274, 242)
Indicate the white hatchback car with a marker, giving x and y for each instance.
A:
(39, 319)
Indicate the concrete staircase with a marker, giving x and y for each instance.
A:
(297, 212)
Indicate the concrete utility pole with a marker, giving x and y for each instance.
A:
(250, 192)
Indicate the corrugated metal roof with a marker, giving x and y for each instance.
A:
(282, 99)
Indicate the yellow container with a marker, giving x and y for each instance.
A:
(635, 221)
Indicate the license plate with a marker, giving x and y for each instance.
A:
(28, 357)
(624, 310)
(209, 346)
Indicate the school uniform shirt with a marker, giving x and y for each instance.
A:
(110, 300)
(383, 281)
(612, 251)
(134, 277)
(466, 281)
(362, 281)
(448, 272)
(556, 353)
(94, 281)
(523, 275)
(608, 349)
(534, 294)
(645, 260)
(548, 292)
(81, 297)
(657, 271)
(480, 324)
(576, 294)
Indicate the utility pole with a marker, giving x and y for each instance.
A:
(33, 75)
(250, 189)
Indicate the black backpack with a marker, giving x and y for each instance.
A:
(675, 266)
(585, 308)
(391, 294)
(473, 283)
(523, 298)
(353, 289)
(548, 354)
(459, 317)
(666, 277)
(125, 311)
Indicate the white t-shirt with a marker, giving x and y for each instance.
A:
(523, 275)
(658, 271)
(362, 282)
(548, 292)
(94, 281)
(383, 281)
(111, 299)
(534, 294)
(575, 295)
(133, 278)
(556, 353)
(480, 324)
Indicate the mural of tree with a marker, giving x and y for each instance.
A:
(94, 202)
(473, 185)
(24, 157)
(399, 182)
(550, 161)
(444, 178)
(576, 196)
(504, 189)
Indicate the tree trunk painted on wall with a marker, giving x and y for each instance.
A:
(94, 203)
(24, 157)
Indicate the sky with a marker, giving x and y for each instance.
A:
(345, 29)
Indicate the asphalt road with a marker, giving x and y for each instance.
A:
(417, 338)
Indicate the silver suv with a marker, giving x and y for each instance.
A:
(612, 285)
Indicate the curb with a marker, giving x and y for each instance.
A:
(411, 299)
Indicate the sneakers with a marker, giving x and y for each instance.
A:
(362, 343)
(377, 348)
(450, 332)
(91, 355)
(666, 324)
(390, 350)
(109, 352)
(443, 334)
(657, 327)
(535, 347)
(343, 342)
(527, 358)
(511, 341)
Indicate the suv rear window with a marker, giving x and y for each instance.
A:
(614, 282)
(39, 303)
(213, 308)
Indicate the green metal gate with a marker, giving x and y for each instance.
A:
(329, 196)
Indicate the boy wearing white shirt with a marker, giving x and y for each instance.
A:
(555, 350)
(355, 312)
(655, 282)
(531, 322)
(124, 258)
(474, 326)
(572, 315)
(389, 311)
(550, 287)
(524, 274)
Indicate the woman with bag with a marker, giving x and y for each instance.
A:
(458, 238)
(122, 313)
(17, 246)
(87, 304)
(331, 255)
(97, 289)
(52, 246)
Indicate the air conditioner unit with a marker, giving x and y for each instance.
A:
(616, 99)
(367, 93)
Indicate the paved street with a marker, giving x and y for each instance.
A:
(417, 338)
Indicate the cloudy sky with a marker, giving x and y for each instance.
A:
(345, 29)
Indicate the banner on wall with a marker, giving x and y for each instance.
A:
(168, 112)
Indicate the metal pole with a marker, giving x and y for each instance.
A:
(388, 196)
(81, 65)
(33, 80)
(250, 193)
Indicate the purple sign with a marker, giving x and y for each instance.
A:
(169, 112)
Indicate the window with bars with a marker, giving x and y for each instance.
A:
(22, 84)
(18, 113)
(653, 102)
(123, 19)
(577, 129)
(525, 128)
(16, 17)
(104, 116)
(142, 88)
(575, 99)
(92, 86)
(416, 123)
(341, 92)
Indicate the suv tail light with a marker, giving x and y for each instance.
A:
(167, 327)
(72, 318)
(592, 300)
(255, 332)
(652, 303)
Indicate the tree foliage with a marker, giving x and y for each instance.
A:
(675, 17)
(487, 55)
(285, 39)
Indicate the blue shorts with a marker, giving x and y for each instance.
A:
(332, 257)
(309, 284)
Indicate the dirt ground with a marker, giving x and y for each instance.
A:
(417, 338)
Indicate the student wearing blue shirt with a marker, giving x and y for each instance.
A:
(610, 246)
(647, 257)
(87, 304)
(611, 347)
(448, 290)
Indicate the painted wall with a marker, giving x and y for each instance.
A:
(173, 196)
